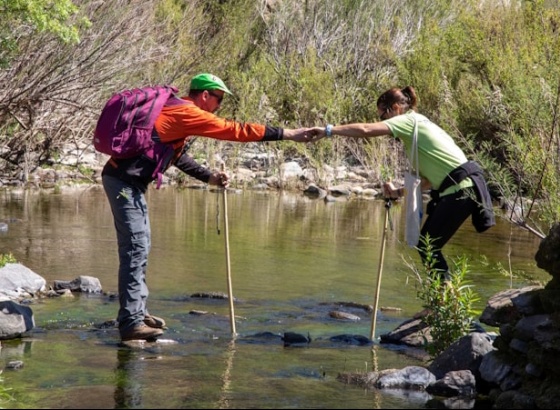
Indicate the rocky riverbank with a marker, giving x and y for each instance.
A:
(250, 168)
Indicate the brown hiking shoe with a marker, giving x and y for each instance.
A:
(141, 332)
(155, 322)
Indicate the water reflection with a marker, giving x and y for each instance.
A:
(226, 390)
(15, 350)
(128, 376)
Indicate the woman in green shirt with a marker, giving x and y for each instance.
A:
(458, 187)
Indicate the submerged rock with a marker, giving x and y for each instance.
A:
(291, 338)
(358, 340)
(336, 314)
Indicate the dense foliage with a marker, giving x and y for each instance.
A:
(487, 71)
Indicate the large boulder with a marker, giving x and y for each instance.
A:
(18, 281)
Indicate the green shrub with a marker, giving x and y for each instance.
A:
(448, 300)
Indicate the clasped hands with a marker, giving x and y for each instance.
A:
(309, 134)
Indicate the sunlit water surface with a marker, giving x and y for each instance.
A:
(292, 260)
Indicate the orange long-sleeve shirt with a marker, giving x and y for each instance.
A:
(181, 119)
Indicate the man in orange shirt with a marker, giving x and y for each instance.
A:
(126, 180)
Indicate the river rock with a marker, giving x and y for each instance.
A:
(337, 314)
(86, 284)
(18, 281)
(15, 320)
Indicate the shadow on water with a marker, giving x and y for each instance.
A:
(294, 262)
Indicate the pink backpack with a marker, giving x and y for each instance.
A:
(124, 128)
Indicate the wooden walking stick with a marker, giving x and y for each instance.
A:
(380, 269)
(228, 262)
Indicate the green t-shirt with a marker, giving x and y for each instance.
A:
(438, 154)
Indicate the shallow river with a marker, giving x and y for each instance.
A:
(293, 259)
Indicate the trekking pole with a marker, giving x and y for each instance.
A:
(380, 269)
(228, 263)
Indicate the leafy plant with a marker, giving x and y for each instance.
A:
(6, 258)
(448, 299)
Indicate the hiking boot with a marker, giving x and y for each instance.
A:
(154, 322)
(141, 332)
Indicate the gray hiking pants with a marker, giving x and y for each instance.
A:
(130, 214)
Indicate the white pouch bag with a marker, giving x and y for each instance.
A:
(413, 194)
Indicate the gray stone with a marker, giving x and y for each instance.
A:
(410, 378)
(86, 284)
(15, 320)
(18, 281)
(500, 308)
(493, 368)
(464, 354)
(458, 383)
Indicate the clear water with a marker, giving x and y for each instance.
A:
(292, 260)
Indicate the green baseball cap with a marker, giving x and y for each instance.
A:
(206, 81)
